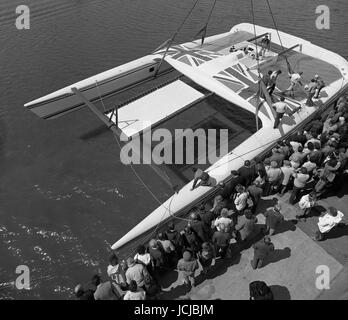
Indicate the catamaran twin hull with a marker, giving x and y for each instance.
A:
(231, 74)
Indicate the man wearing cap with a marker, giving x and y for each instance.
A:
(187, 266)
(136, 272)
(262, 250)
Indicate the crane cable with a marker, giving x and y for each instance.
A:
(258, 70)
(203, 31)
(171, 40)
(280, 40)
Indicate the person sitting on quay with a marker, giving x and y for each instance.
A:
(134, 292)
(306, 204)
(262, 249)
(187, 267)
(273, 219)
(327, 221)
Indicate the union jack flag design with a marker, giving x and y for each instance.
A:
(191, 57)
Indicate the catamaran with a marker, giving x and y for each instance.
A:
(228, 66)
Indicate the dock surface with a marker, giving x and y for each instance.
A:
(290, 271)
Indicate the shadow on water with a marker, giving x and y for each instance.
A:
(280, 292)
(94, 133)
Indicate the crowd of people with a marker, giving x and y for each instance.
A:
(307, 165)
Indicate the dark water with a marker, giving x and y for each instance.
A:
(64, 199)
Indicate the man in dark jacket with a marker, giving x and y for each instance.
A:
(221, 240)
(262, 250)
(198, 227)
(230, 186)
(247, 172)
(273, 219)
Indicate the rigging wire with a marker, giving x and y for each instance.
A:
(167, 209)
(203, 31)
(280, 40)
(171, 40)
(258, 70)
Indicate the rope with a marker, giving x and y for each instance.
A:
(280, 40)
(257, 51)
(171, 40)
(258, 70)
(204, 29)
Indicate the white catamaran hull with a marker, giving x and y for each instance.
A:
(120, 78)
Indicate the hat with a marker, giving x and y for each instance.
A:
(186, 256)
(130, 261)
(274, 164)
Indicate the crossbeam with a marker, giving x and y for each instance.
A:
(118, 132)
(289, 49)
(258, 37)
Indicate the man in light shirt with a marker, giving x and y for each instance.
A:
(295, 79)
(327, 221)
(280, 108)
(306, 204)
